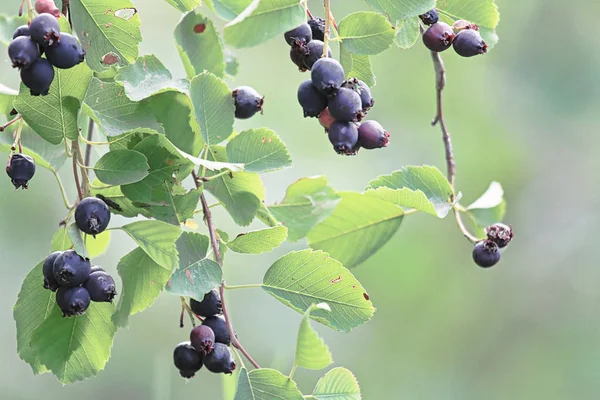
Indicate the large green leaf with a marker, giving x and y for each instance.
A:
(366, 33)
(489, 208)
(109, 31)
(266, 384)
(311, 350)
(337, 384)
(184, 5)
(402, 9)
(120, 167)
(422, 188)
(174, 208)
(157, 239)
(192, 247)
(229, 9)
(302, 278)
(358, 227)
(484, 13)
(259, 241)
(8, 24)
(262, 20)
(357, 66)
(407, 33)
(260, 150)
(199, 45)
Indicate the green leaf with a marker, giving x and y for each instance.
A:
(8, 24)
(259, 241)
(266, 384)
(109, 31)
(358, 227)
(407, 33)
(302, 278)
(231, 64)
(192, 247)
(97, 246)
(199, 45)
(184, 5)
(484, 13)
(148, 77)
(489, 208)
(229, 9)
(76, 238)
(108, 105)
(357, 66)
(157, 239)
(366, 33)
(120, 167)
(311, 350)
(75, 348)
(175, 209)
(337, 384)
(143, 280)
(402, 9)
(422, 188)
(213, 105)
(260, 150)
(214, 165)
(307, 202)
(263, 20)
(54, 116)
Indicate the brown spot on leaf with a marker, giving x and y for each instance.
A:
(110, 59)
(336, 280)
(354, 287)
(199, 28)
(108, 25)
(125, 13)
(366, 296)
(188, 274)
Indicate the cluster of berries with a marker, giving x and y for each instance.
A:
(463, 36)
(306, 43)
(209, 343)
(43, 36)
(72, 276)
(20, 169)
(487, 252)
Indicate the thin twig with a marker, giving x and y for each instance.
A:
(88, 146)
(461, 225)
(327, 5)
(75, 175)
(9, 123)
(186, 307)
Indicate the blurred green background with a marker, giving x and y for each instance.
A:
(524, 115)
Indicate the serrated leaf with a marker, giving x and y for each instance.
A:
(199, 45)
(407, 33)
(260, 150)
(484, 13)
(213, 105)
(302, 278)
(229, 9)
(366, 33)
(337, 384)
(307, 202)
(266, 384)
(109, 31)
(259, 241)
(357, 66)
(192, 247)
(54, 116)
(184, 5)
(143, 280)
(120, 167)
(402, 9)
(311, 350)
(263, 20)
(195, 280)
(148, 77)
(358, 227)
(75, 348)
(157, 239)
(175, 209)
(77, 240)
(489, 208)
(8, 24)
(423, 188)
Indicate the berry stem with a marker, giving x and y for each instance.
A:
(248, 286)
(75, 173)
(88, 146)
(327, 4)
(186, 307)
(62, 190)
(293, 371)
(9, 123)
(220, 174)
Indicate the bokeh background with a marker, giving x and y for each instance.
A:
(529, 328)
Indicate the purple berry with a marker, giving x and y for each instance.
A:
(23, 30)
(345, 105)
(468, 43)
(317, 25)
(486, 254)
(220, 360)
(101, 287)
(96, 268)
(72, 301)
(67, 53)
(219, 327)
(23, 52)
(38, 77)
(20, 170)
(344, 137)
(438, 37)
(300, 34)
(311, 99)
(202, 339)
(92, 216)
(247, 102)
(315, 52)
(209, 306)
(363, 90)
(430, 17)
(371, 135)
(50, 282)
(187, 360)
(297, 55)
(70, 269)
(327, 75)
(44, 29)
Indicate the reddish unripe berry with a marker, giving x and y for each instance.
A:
(438, 37)
(202, 339)
(47, 6)
(371, 135)
(325, 119)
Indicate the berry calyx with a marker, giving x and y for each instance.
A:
(327, 75)
(371, 135)
(92, 216)
(202, 339)
(23, 52)
(209, 306)
(44, 29)
(469, 43)
(20, 169)
(312, 100)
(344, 137)
(38, 77)
(50, 282)
(300, 34)
(219, 327)
(247, 102)
(345, 105)
(430, 17)
(317, 25)
(101, 287)
(486, 254)
(297, 55)
(47, 6)
(72, 301)
(187, 360)
(220, 360)
(22, 30)
(500, 234)
(70, 269)
(67, 53)
(438, 37)
(314, 53)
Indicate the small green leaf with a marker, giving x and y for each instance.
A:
(484, 13)
(260, 241)
(120, 167)
(402, 9)
(337, 384)
(407, 33)
(229, 9)
(366, 33)
(157, 239)
(357, 66)
(260, 150)
(184, 5)
(266, 384)
(75, 235)
(175, 209)
(192, 247)
(195, 280)
(489, 208)
(358, 227)
(306, 277)
(8, 24)
(311, 350)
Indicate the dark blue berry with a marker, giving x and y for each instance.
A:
(219, 327)
(438, 37)
(430, 17)
(50, 282)
(96, 268)
(363, 90)
(70, 269)
(327, 75)
(312, 100)
(72, 300)
(247, 102)
(344, 137)
(220, 360)
(317, 25)
(500, 234)
(44, 29)
(187, 360)
(298, 35)
(92, 215)
(20, 170)
(209, 306)
(315, 52)
(202, 339)
(23, 52)
(101, 287)
(23, 30)
(345, 105)
(486, 254)
(469, 43)
(67, 53)
(38, 77)
(297, 55)
(371, 135)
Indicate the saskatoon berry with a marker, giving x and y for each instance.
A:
(327, 75)
(438, 37)
(301, 34)
(371, 135)
(92, 215)
(500, 234)
(345, 105)
(44, 29)
(20, 170)
(325, 119)
(47, 6)
(202, 339)
(486, 254)
(317, 25)
(187, 360)
(72, 300)
(23, 30)
(38, 77)
(219, 327)
(344, 137)
(209, 306)
(315, 52)
(297, 55)
(247, 102)
(468, 43)
(101, 287)
(50, 282)
(23, 52)
(220, 360)
(363, 90)
(313, 102)
(430, 17)
(96, 268)
(70, 269)
(67, 53)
